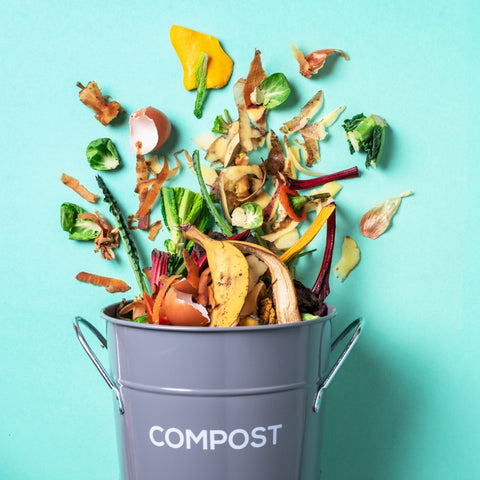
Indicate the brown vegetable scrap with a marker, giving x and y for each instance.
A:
(204, 281)
(238, 184)
(131, 222)
(313, 62)
(275, 161)
(74, 184)
(137, 309)
(266, 311)
(111, 285)
(105, 110)
(107, 238)
(256, 74)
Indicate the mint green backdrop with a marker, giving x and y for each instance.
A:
(405, 404)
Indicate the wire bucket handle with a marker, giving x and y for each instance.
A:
(356, 325)
(110, 382)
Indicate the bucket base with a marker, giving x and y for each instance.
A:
(221, 438)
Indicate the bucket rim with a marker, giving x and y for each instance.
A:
(331, 313)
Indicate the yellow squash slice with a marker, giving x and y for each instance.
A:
(349, 260)
(189, 44)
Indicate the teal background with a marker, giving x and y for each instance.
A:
(405, 404)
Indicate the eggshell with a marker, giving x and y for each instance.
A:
(149, 130)
(184, 286)
(181, 310)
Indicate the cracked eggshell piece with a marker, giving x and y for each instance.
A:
(149, 130)
(180, 309)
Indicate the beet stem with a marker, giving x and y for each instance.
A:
(322, 287)
(316, 182)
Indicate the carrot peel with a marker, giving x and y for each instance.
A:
(111, 285)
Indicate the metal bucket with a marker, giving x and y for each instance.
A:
(219, 403)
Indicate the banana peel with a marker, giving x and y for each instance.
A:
(283, 290)
(230, 274)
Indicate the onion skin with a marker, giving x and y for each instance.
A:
(156, 133)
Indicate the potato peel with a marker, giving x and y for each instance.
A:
(244, 127)
(305, 115)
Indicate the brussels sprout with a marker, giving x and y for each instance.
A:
(248, 216)
(78, 229)
(273, 91)
(102, 154)
(68, 215)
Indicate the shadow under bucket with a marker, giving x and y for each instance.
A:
(219, 403)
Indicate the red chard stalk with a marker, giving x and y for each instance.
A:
(322, 286)
(318, 181)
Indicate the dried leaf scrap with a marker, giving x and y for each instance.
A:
(107, 238)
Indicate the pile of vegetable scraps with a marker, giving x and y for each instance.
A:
(232, 246)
